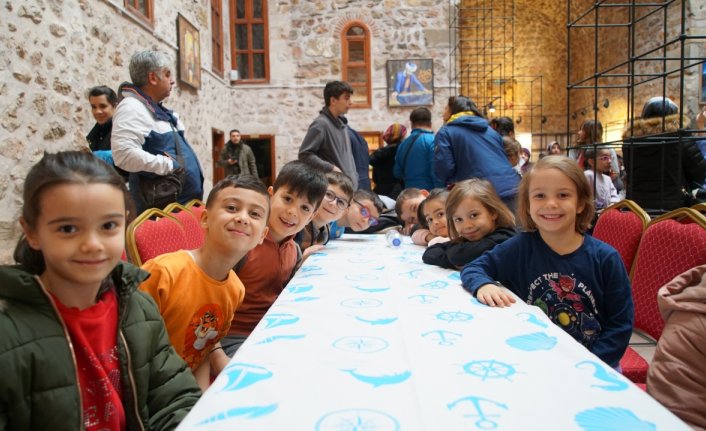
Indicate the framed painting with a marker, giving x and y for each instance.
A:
(189, 53)
(410, 82)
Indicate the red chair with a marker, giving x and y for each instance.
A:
(190, 222)
(621, 225)
(154, 233)
(196, 206)
(671, 244)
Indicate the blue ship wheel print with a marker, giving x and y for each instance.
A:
(454, 316)
(357, 420)
(361, 303)
(490, 369)
(361, 344)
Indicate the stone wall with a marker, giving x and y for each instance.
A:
(52, 51)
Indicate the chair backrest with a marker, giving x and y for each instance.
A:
(190, 222)
(671, 244)
(621, 225)
(700, 207)
(154, 233)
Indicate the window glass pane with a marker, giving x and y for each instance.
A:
(243, 70)
(241, 37)
(240, 9)
(356, 51)
(357, 75)
(257, 8)
(258, 61)
(360, 95)
(355, 31)
(258, 36)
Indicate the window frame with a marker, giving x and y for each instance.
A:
(366, 63)
(148, 18)
(249, 21)
(217, 61)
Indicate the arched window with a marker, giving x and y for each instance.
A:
(355, 48)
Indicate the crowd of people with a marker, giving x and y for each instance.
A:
(135, 347)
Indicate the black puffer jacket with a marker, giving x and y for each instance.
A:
(658, 176)
(39, 388)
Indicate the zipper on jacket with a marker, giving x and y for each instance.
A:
(132, 381)
(71, 348)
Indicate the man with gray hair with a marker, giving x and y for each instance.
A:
(147, 139)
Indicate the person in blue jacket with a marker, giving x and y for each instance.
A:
(467, 147)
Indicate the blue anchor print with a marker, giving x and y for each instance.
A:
(376, 381)
(531, 318)
(614, 384)
(454, 316)
(375, 322)
(274, 320)
(411, 274)
(246, 412)
(424, 299)
(484, 419)
(445, 338)
(434, 285)
(241, 375)
(274, 338)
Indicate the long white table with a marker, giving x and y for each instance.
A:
(367, 337)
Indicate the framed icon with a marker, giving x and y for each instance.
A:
(410, 82)
(189, 53)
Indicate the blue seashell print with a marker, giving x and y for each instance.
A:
(611, 419)
(600, 372)
(376, 381)
(274, 338)
(273, 320)
(532, 342)
(241, 375)
(246, 412)
(299, 288)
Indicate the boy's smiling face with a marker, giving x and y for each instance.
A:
(409, 210)
(236, 221)
(289, 213)
(330, 210)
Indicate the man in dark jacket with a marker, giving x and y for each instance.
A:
(327, 145)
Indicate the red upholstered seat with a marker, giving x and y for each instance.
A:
(190, 222)
(634, 366)
(621, 225)
(671, 244)
(154, 233)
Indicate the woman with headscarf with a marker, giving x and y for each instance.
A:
(383, 162)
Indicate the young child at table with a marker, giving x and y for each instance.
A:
(478, 220)
(265, 270)
(431, 215)
(197, 291)
(335, 204)
(81, 347)
(406, 207)
(579, 282)
(597, 162)
(363, 212)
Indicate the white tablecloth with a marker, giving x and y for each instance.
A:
(367, 337)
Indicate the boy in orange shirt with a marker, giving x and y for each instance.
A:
(196, 291)
(296, 195)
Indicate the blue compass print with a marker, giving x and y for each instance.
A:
(360, 344)
(357, 420)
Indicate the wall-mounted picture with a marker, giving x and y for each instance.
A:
(410, 82)
(702, 98)
(189, 53)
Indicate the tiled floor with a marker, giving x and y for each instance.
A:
(643, 345)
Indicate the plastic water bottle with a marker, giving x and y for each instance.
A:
(393, 238)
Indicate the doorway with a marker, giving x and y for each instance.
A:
(263, 146)
(217, 144)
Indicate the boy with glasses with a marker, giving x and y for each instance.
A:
(363, 212)
(599, 161)
(335, 204)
